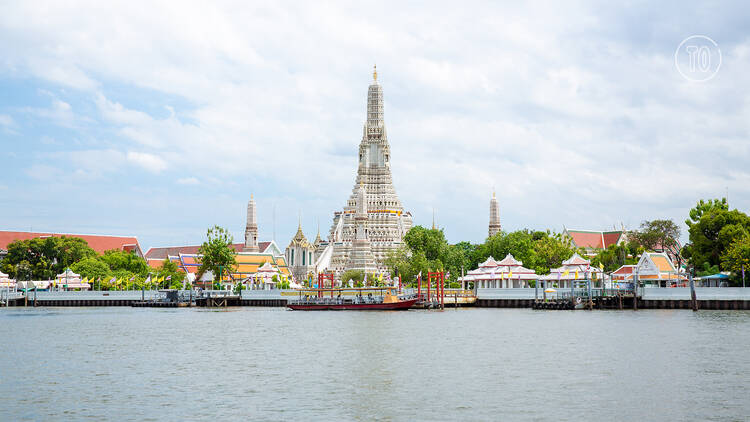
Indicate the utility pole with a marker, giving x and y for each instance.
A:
(635, 290)
(693, 299)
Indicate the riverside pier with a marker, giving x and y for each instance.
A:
(720, 298)
(647, 298)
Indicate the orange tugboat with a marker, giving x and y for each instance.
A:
(351, 299)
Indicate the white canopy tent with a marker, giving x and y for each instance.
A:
(6, 282)
(68, 280)
(574, 268)
(508, 273)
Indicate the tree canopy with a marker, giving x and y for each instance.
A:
(656, 235)
(44, 258)
(427, 250)
(737, 256)
(216, 253)
(703, 207)
(615, 256)
(713, 233)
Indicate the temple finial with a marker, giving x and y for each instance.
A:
(375, 72)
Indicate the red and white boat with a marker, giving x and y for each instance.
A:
(351, 300)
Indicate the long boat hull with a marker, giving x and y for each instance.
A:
(396, 306)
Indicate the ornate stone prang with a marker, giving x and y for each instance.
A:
(251, 228)
(386, 221)
(494, 226)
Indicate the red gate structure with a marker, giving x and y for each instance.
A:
(439, 278)
(322, 277)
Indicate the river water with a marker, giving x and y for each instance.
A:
(465, 364)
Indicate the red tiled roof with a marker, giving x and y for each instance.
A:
(155, 263)
(586, 239)
(625, 269)
(99, 243)
(593, 239)
(262, 246)
(164, 252)
(611, 238)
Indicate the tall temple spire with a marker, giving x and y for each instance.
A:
(494, 225)
(373, 221)
(251, 227)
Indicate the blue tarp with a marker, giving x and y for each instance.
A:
(715, 277)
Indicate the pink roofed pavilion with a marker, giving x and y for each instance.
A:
(505, 274)
(574, 268)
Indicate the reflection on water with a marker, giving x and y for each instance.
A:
(473, 364)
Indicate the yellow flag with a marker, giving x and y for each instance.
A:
(510, 274)
(85, 280)
(601, 266)
(576, 274)
(565, 274)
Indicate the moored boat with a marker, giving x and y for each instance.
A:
(351, 300)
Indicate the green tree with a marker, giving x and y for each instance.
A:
(124, 260)
(551, 249)
(430, 241)
(737, 256)
(615, 256)
(355, 275)
(520, 244)
(176, 277)
(91, 267)
(712, 235)
(455, 259)
(45, 257)
(657, 234)
(704, 207)
(216, 253)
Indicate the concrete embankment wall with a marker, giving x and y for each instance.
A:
(650, 298)
(128, 298)
(708, 298)
(95, 298)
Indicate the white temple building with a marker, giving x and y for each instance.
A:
(505, 274)
(373, 222)
(300, 255)
(574, 268)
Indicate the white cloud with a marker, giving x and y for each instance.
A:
(6, 120)
(148, 161)
(188, 181)
(575, 114)
(7, 125)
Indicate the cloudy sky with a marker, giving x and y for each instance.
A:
(159, 119)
